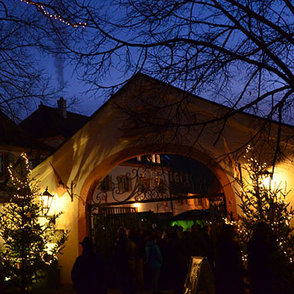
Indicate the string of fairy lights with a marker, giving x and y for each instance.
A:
(54, 16)
(241, 231)
(15, 180)
(47, 229)
(286, 219)
(277, 196)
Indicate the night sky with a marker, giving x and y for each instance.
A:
(73, 87)
(62, 76)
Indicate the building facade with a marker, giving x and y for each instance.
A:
(141, 119)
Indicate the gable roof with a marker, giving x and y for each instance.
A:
(210, 107)
(106, 139)
(139, 78)
(12, 135)
(47, 122)
(102, 128)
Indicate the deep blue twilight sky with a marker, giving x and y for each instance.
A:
(87, 104)
(224, 88)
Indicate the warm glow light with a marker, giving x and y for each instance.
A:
(279, 179)
(137, 206)
(46, 199)
(60, 203)
(266, 181)
(49, 248)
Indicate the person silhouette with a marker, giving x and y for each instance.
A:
(87, 273)
(126, 258)
(228, 263)
(154, 260)
(268, 268)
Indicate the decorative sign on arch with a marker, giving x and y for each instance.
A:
(170, 178)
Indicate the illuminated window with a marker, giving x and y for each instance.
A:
(155, 158)
(158, 158)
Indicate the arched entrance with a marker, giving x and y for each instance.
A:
(99, 172)
(114, 135)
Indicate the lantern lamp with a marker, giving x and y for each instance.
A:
(46, 200)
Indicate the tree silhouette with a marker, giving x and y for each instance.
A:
(235, 52)
(26, 38)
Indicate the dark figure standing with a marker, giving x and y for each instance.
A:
(269, 270)
(180, 259)
(228, 263)
(126, 261)
(87, 273)
(199, 243)
(153, 260)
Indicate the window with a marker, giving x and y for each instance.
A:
(158, 158)
(154, 158)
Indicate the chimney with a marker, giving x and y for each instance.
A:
(61, 105)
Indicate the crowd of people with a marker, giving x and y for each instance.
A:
(159, 259)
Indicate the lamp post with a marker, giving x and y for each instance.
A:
(46, 200)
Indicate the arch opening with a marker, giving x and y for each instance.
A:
(215, 187)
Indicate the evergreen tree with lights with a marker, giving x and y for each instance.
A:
(31, 243)
(263, 202)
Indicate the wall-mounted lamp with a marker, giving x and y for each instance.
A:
(46, 200)
(266, 178)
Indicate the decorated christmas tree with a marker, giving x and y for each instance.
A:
(31, 243)
(264, 200)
